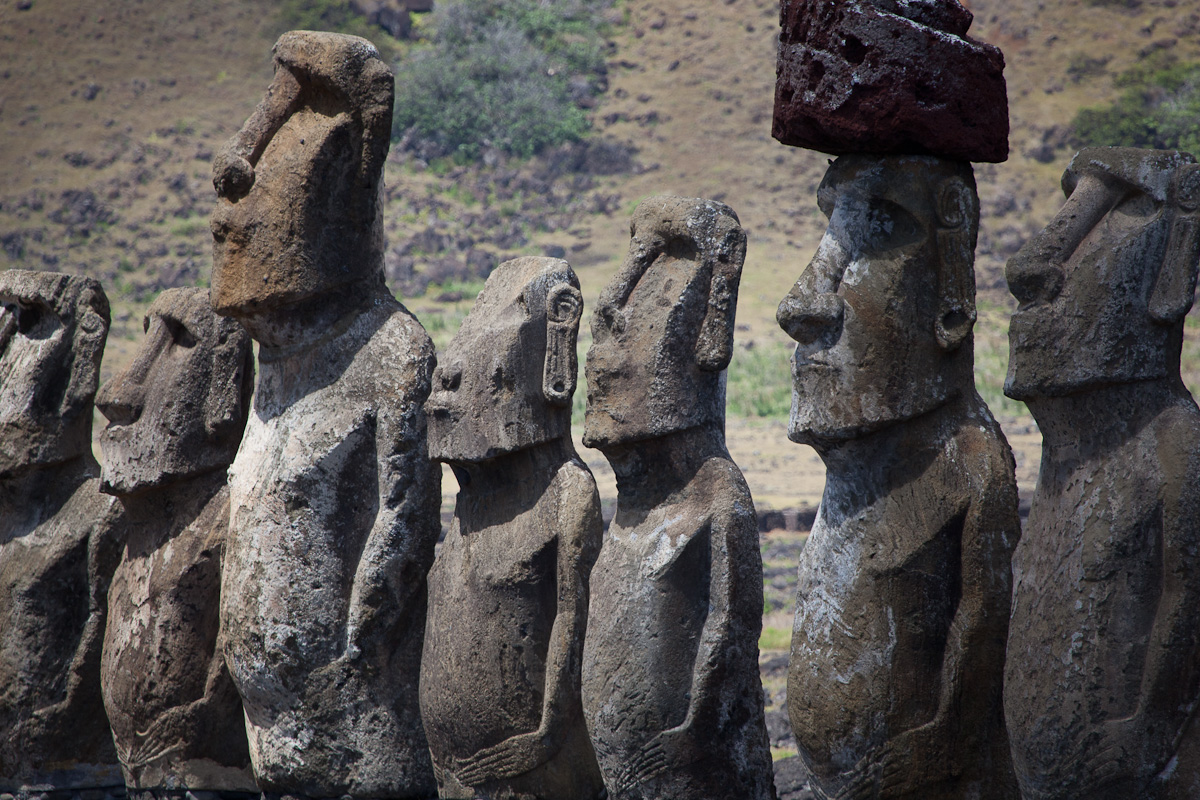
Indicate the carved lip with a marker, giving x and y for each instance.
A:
(808, 364)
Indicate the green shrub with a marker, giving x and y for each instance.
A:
(1160, 108)
(509, 74)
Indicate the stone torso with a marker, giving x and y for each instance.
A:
(661, 573)
(874, 603)
(51, 626)
(1088, 582)
(881, 581)
(175, 714)
(332, 527)
(492, 604)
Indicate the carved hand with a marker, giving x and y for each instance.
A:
(1120, 754)
(514, 756)
(862, 781)
(670, 749)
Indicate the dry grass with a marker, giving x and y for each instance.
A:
(691, 87)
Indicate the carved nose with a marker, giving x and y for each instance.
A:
(1032, 277)
(120, 400)
(448, 378)
(808, 319)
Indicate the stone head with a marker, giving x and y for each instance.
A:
(299, 213)
(883, 313)
(662, 333)
(505, 382)
(52, 333)
(1104, 288)
(180, 408)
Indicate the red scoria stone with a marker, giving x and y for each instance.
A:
(889, 77)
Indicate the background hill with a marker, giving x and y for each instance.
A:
(110, 114)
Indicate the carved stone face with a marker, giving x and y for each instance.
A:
(879, 317)
(299, 214)
(662, 333)
(179, 409)
(505, 382)
(289, 238)
(52, 333)
(1088, 281)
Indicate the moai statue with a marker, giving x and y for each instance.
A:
(333, 501)
(508, 594)
(671, 688)
(894, 684)
(176, 416)
(1103, 674)
(59, 536)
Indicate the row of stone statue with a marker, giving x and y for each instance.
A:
(287, 629)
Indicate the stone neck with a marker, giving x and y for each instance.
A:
(181, 499)
(1095, 420)
(515, 474)
(33, 495)
(301, 326)
(650, 470)
(884, 451)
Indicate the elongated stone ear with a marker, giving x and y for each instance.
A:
(87, 347)
(956, 208)
(232, 380)
(564, 309)
(714, 345)
(1175, 287)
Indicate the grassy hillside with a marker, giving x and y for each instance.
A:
(110, 113)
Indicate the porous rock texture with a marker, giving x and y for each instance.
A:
(508, 594)
(894, 681)
(176, 416)
(1102, 680)
(671, 688)
(333, 501)
(58, 536)
(888, 76)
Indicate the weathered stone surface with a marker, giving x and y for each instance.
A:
(888, 77)
(671, 687)
(1102, 682)
(334, 504)
(176, 416)
(508, 594)
(58, 535)
(894, 683)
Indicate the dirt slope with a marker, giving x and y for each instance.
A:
(110, 112)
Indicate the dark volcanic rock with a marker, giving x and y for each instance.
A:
(888, 76)
(679, 578)
(1101, 683)
(508, 594)
(57, 535)
(176, 417)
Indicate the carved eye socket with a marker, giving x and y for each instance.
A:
(180, 335)
(887, 226)
(28, 317)
(32, 320)
(1138, 205)
(613, 319)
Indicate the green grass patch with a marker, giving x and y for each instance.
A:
(780, 753)
(775, 639)
(759, 381)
